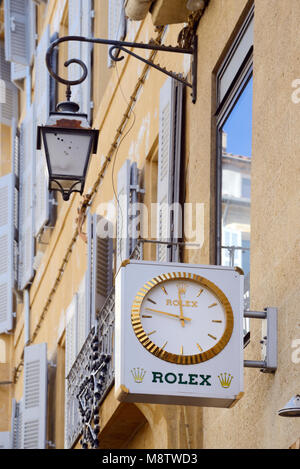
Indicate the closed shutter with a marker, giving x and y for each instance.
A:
(100, 259)
(123, 202)
(8, 92)
(6, 252)
(80, 24)
(15, 176)
(86, 57)
(16, 424)
(71, 350)
(41, 103)
(35, 397)
(26, 301)
(19, 30)
(26, 212)
(4, 440)
(169, 160)
(71, 334)
(116, 22)
(75, 47)
(83, 320)
(18, 72)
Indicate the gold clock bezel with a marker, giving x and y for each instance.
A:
(172, 357)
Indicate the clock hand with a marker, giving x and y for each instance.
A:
(180, 306)
(169, 314)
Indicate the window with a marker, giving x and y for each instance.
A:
(234, 137)
(116, 23)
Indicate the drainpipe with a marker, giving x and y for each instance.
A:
(137, 9)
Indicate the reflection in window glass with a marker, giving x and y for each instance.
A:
(236, 184)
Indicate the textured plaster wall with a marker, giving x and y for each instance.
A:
(254, 423)
(275, 222)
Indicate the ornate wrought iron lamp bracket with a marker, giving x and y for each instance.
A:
(126, 47)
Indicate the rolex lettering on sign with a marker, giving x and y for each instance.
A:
(179, 334)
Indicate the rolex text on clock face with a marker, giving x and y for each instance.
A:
(182, 318)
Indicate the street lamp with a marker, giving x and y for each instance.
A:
(67, 137)
(68, 142)
(292, 408)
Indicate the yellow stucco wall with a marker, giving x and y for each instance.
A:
(253, 422)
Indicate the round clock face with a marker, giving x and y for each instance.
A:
(182, 318)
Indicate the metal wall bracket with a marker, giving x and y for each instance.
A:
(268, 342)
(127, 48)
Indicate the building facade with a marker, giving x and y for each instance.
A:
(227, 165)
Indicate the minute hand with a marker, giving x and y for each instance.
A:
(169, 314)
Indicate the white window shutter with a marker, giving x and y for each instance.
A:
(71, 351)
(75, 48)
(16, 424)
(123, 193)
(18, 72)
(165, 169)
(71, 333)
(35, 397)
(6, 252)
(83, 322)
(100, 260)
(41, 103)
(177, 222)
(26, 217)
(4, 440)
(8, 92)
(86, 57)
(15, 176)
(18, 31)
(169, 223)
(116, 22)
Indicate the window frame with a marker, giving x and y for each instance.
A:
(224, 114)
(224, 107)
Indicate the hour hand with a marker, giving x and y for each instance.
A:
(169, 314)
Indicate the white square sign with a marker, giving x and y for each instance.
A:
(179, 334)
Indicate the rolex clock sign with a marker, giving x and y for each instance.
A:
(179, 334)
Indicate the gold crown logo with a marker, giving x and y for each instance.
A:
(138, 374)
(225, 380)
(181, 289)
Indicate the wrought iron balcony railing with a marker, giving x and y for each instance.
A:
(90, 379)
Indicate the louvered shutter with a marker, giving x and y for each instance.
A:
(135, 214)
(19, 30)
(116, 22)
(86, 57)
(41, 103)
(165, 169)
(169, 161)
(16, 424)
(18, 72)
(177, 222)
(26, 213)
(9, 92)
(75, 47)
(6, 252)
(123, 240)
(26, 301)
(15, 176)
(100, 259)
(35, 397)
(83, 320)
(4, 440)
(71, 334)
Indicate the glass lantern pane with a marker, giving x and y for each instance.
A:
(68, 152)
(65, 184)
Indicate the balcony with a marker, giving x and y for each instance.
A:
(90, 379)
(92, 376)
